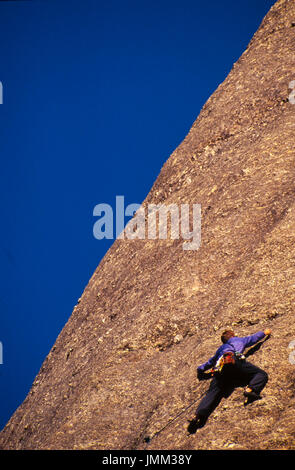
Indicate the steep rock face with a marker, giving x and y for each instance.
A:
(125, 362)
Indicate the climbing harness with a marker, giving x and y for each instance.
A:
(227, 359)
(230, 358)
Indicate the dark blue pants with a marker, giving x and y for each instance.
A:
(239, 375)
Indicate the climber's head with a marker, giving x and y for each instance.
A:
(226, 335)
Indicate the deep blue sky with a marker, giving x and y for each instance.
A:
(96, 96)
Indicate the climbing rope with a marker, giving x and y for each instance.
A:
(148, 439)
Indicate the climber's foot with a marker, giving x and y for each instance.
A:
(250, 396)
(196, 423)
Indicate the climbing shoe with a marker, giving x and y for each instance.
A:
(196, 423)
(250, 396)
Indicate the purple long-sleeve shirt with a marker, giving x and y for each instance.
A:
(235, 344)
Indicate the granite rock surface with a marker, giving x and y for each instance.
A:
(124, 365)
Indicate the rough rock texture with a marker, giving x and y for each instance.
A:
(125, 362)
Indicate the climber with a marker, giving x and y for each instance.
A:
(229, 370)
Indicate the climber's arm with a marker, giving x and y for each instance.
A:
(210, 363)
(253, 339)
